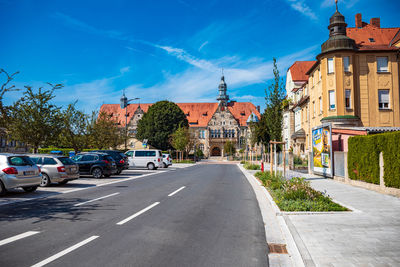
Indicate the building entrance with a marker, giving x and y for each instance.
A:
(216, 152)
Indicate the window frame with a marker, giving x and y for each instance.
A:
(379, 68)
(345, 98)
(330, 100)
(346, 65)
(380, 99)
(333, 65)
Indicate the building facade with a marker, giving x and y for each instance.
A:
(211, 124)
(354, 84)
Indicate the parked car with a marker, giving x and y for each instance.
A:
(120, 159)
(18, 171)
(55, 168)
(95, 164)
(167, 160)
(149, 158)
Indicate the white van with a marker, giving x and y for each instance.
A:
(149, 158)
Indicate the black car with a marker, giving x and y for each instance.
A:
(120, 159)
(96, 164)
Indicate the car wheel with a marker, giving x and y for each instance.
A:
(63, 182)
(151, 166)
(45, 180)
(97, 173)
(30, 188)
(2, 189)
(165, 165)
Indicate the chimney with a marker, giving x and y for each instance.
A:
(375, 22)
(258, 109)
(358, 20)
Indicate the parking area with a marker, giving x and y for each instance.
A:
(84, 182)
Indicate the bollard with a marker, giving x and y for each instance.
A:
(262, 166)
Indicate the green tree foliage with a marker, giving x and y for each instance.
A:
(273, 115)
(34, 119)
(161, 120)
(103, 132)
(6, 87)
(180, 138)
(229, 148)
(75, 126)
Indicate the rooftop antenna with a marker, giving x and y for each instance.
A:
(222, 71)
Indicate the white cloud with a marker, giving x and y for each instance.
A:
(203, 45)
(346, 3)
(303, 8)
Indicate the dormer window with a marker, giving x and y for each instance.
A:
(187, 114)
(372, 40)
(242, 113)
(205, 114)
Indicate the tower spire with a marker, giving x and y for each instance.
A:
(336, 5)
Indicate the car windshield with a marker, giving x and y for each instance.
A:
(66, 161)
(20, 161)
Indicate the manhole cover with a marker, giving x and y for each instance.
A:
(277, 248)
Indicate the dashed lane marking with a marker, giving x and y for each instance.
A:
(89, 201)
(138, 213)
(176, 191)
(17, 237)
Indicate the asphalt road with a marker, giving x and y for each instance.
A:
(205, 215)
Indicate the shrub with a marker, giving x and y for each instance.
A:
(296, 194)
(363, 158)
(183, 161)
(250, 166)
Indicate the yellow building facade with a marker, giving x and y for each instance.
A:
(355, 81)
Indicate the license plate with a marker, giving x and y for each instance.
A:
(29, 172)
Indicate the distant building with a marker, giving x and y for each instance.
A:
(212, 124)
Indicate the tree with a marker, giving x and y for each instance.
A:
(180, 138)
(34, 119)
(75, 125)
(103, 132)
(5, 87)
(229, 148)
(161, 120)
(272, 121)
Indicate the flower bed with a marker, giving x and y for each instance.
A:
(296, 194)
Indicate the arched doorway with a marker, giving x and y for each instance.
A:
(216, 152)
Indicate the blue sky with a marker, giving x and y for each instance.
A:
(171, 49)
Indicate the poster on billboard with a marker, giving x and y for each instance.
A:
(322, 150)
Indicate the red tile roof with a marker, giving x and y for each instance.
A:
(198, 114)
(382, 37)
(299, 69)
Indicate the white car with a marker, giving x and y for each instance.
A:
(147, 158)
(167, 160)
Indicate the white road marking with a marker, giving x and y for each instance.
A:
(17, 237)
(176, 191)
(83, 203)
(138, 213)
(65, 251)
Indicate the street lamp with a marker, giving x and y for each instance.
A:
(124, 101)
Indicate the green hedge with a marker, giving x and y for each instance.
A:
(363, 158)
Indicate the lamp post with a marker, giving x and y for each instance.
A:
(124, 101)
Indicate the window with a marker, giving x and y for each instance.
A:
(332, 104)
(20, 161)
(348, 98)
(66, 161)
(313, 103)
(320, 105)
(129, 153)
(382, 64)
(139, 153)
(346, 64)
(88, 158)
(37, 160)
(49, 161)
(201, 147)
(330, 65)
(372, 40)
(383, 96)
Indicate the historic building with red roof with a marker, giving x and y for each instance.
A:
(212, 124)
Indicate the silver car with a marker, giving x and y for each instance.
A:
(18, 171)
(55, 168)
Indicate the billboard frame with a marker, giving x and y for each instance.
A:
(323, 173)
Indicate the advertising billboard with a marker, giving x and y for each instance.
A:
(322, 150)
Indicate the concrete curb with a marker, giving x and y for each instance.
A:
(294, 254)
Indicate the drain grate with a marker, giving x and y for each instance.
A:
(277, 248)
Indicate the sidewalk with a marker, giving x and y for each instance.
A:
(368, 236)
